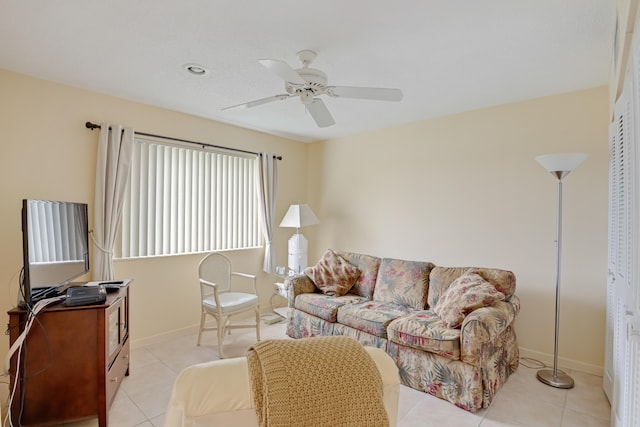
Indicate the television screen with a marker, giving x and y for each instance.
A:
(55, 243)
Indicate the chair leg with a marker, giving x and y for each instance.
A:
(257, 323)
(221, 328)
(201, 326)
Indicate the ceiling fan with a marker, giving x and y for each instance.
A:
(309, 83)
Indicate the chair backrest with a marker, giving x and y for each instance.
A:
(215, 268)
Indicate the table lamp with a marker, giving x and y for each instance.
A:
(298, 216)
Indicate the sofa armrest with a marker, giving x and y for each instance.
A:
(296, 285)
(484, 326)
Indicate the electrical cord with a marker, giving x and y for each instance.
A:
(21, 288)
(531, 363)
(18, 346)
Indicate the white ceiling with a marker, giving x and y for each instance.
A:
(446, 56)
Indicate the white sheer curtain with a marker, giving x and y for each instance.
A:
(112, 171)
(267, 188)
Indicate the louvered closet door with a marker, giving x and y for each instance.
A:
(622, 364)
(619, 363)
(624, 196)
(632, 296)
(633, 344)
(632, 413)
(615, 311)
(609, 375)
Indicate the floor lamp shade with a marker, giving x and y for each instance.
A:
(298, 216)
(559, 165)
(565, 163)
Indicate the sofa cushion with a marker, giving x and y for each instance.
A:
(424, 330)
(325, 306)
(332, 274)
(372, 316)
(467, 293)
(441, 278)
(403, 282)
(368, 266)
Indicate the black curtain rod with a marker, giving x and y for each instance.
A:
(93, 126)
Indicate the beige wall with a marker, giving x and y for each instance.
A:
(47, 153)
(465, 190)
(459, 190)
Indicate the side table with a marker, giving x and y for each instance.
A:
(279, 291)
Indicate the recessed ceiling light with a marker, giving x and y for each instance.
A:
(196, 69)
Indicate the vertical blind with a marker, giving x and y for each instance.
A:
(182, 200)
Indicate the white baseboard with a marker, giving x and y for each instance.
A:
(563, 362)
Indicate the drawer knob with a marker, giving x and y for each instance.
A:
(114, 380)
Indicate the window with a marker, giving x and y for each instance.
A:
(181, 200)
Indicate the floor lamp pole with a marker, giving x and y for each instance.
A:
(556, 377)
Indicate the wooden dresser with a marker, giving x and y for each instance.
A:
(72, 361)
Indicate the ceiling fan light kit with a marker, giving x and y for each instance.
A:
(309, 83)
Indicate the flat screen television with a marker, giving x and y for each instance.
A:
(55, 246)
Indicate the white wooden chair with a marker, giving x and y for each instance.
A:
(220, 302)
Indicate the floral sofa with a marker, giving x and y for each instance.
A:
(448, 329)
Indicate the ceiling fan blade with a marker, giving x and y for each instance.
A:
(283, 70)
(320, 113)
(375, 93)
(260, 101)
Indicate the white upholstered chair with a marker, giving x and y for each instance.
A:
(218, 393)
(220, 301)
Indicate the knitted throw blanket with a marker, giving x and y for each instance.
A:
(320, 381)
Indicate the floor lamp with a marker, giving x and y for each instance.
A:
(560, 165)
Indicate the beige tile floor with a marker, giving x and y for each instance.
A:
(523, 401)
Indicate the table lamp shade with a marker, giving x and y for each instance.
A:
(299, 216)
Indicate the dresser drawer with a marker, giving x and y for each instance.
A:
(117, 372)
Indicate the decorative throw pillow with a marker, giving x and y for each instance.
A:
(333, 275)
(465, 294)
